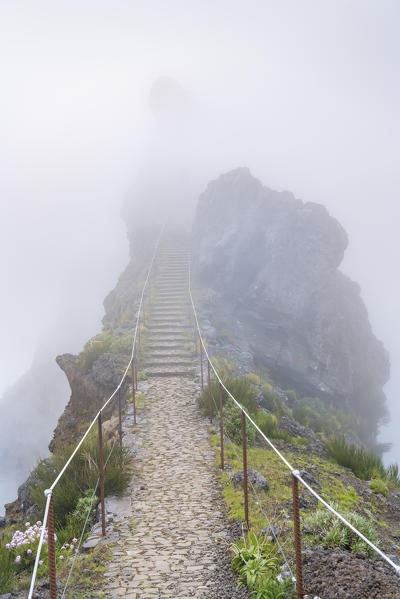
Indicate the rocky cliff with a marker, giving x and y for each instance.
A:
(273, 262)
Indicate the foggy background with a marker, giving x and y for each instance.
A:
(304, 93)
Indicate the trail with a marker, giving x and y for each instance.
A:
(166, 528)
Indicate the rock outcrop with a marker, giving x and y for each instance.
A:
(89, 391)
(273, 262)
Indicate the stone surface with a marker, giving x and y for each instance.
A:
(272, 263)
(253, 477)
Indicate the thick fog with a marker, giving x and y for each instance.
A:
(304, 93)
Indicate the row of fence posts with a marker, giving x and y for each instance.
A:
(51, 531)
(295, 488)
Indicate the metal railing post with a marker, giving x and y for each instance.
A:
(101, 476)
(134, 389)
(139, 340)
(209, 391)
(201, 366)
(297, 539)
(119, 417)
(52, 551)
(135, 369)
(221, 426)
(245, 487)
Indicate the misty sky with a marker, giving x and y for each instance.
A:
(305, 93)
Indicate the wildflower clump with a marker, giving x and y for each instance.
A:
(24, 544)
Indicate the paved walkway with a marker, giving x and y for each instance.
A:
(167, 525)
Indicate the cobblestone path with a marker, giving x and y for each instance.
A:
(167, 527)
(165, 530)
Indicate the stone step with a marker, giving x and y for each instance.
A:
(163, 313)
(167, 331)
(169, 363)
(167, 352)
(176, 345)
(170, 372)
(168, 324)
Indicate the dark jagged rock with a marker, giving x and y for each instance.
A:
(309, 479)
(273, 261)
(89, 390)
(253, 477)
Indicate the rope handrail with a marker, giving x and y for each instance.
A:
(48, 492)
(292, 470)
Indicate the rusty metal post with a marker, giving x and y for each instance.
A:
(135, 370)
(221, 426)
(119, 417)
(101, 476)
(134, 390)
(144, 313)
(209, 391)
(52, 551)
(201, 366)
(245, 487)
(139, 340)
(297, 539)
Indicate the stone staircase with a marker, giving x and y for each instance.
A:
(169, 338)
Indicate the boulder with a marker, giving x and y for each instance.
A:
(253, 477)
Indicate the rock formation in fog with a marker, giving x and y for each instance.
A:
(274, 262)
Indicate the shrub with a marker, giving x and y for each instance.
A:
(292, 396)
(126, 318)
(392, 475)
(275, 590)
(253, 378)
(75, 521)
(233, 425)
(363, 463)
(122, 344)
(241, 388)
(327, 530)
(268, 424)
(322, 417)
(93, 349)
(81, 475)
(7, 570)
(273, 401)
(378, 486)
(254, 561)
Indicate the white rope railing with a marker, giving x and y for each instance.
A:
(292, 470)
(49, 492)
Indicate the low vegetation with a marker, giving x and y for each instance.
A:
(245, 390)
(105, 342)
(329, 532)
(75, 503)
(256, 564)
(363, 463)
(80, 476)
